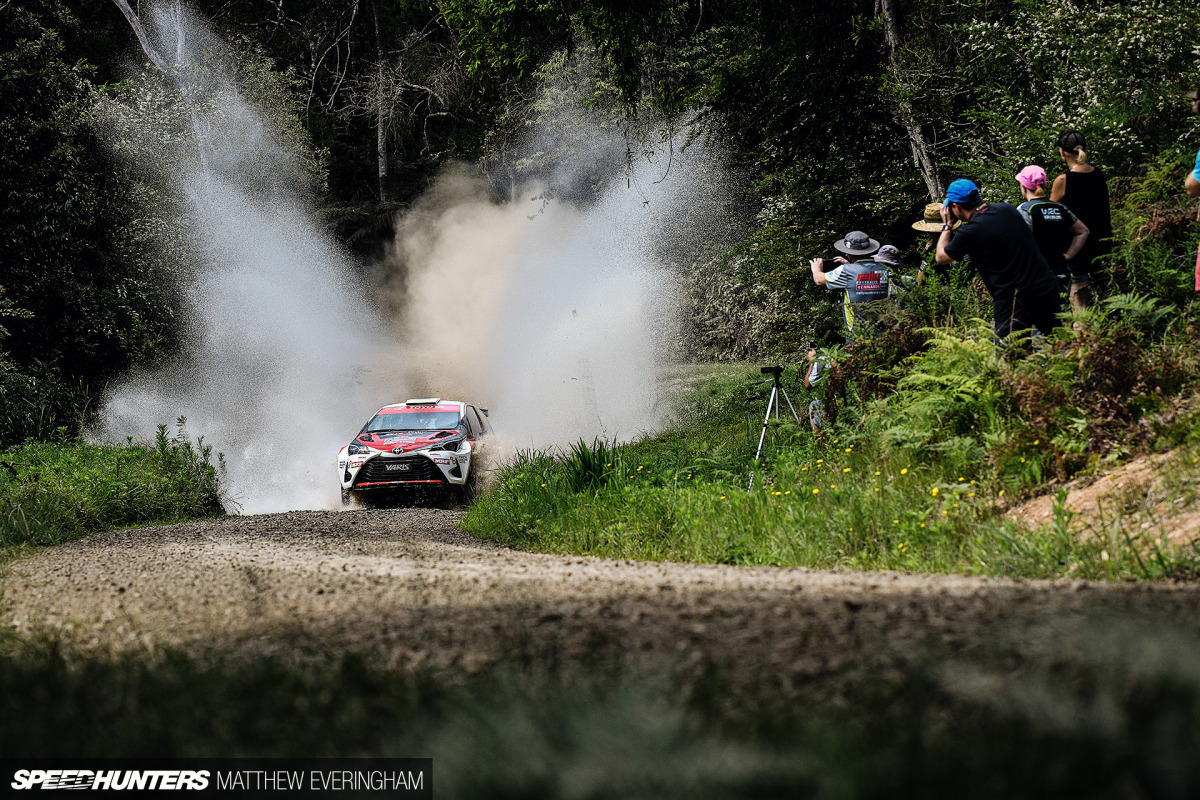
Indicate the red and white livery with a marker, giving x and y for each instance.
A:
(424, 442)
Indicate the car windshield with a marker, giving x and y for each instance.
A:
(415, 421)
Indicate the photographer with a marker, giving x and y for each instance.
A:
(1003, 251)
(818, 366)
(862, 281)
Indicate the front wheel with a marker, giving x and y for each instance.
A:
(468, 491)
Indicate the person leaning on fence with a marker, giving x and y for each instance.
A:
(1002, 250)
(861, 279)
(1059, 235)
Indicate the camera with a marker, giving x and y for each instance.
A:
(776, 371)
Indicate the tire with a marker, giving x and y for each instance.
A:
(468, 491)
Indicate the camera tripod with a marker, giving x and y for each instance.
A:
(772, 403)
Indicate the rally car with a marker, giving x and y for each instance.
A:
(424, 443)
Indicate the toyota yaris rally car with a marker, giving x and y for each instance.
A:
(423, 443)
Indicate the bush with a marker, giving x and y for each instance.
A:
(54, 491)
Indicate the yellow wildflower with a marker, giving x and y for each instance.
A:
(904, 471)
(935, 491)
(847, 469)
(816, 491)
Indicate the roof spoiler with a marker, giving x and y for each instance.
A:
(423, 401)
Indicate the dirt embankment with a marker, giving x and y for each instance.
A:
(408, 589)
(1153, 495)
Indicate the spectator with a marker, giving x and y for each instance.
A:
(861, 281)
(1083, 190)
(818, 366)
(889, 256)
(1003, 252)
(931, 225)
(1059, 235)
(1192, 181)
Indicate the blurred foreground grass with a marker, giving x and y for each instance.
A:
(1105, 709)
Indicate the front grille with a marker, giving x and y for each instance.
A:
(419, 469)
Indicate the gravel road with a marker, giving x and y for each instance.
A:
(408, 589)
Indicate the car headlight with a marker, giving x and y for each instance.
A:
(446, 444)
(357, 449)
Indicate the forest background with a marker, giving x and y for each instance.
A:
(836, 117)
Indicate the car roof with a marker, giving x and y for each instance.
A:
(410, 407)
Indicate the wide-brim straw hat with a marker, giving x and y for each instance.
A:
(931, 222)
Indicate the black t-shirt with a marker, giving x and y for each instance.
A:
(1051, 224)
(1004, 253)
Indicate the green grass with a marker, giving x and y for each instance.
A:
(51, 492)
(852, 499)
(1103, 709)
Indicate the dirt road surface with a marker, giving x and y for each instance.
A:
(409, 590)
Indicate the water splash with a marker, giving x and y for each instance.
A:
(556, 317)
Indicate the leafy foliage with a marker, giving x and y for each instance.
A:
(95, 296)
(54, 491)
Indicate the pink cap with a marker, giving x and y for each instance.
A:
(1032, 177)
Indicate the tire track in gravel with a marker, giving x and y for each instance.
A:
(409, 590)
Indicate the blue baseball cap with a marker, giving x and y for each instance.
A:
(962, 191)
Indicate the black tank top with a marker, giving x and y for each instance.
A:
(1087, 197)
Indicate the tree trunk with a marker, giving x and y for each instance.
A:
(176, 75)
(381, 113)
(922, 157)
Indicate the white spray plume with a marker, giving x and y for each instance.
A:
(555, 318)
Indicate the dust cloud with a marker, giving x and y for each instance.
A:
(555, 316)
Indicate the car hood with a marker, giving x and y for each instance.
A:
(403, 442)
